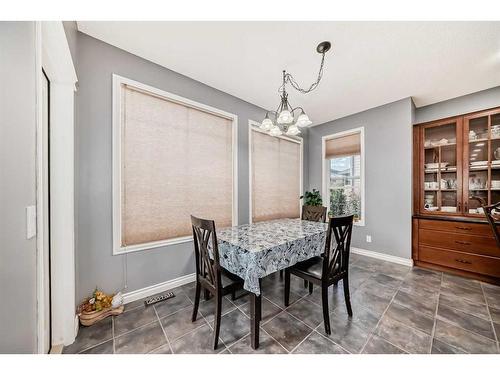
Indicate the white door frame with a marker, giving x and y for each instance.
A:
(53, 55)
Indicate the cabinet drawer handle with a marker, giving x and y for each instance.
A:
(463, 261)
(462, 243)
(463, 228)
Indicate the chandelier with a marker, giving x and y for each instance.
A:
(283, 121)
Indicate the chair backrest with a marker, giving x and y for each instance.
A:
(488, 211)
(207, 268)
(337, 246)
(314, 213)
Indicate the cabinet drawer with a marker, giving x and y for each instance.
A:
(457, 227)
(459, 242)
(463, 261)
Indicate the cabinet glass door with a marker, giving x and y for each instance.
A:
(495, 159)
(440, 177)
(478, 163)
(482, 177)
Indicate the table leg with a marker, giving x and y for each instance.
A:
(255, 317)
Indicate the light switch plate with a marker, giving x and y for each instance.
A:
(368, 238)
(30, 222)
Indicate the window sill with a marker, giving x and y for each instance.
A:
(119, 250)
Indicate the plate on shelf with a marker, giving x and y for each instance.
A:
(432, 208)
(495, 184)
(448, 209)
(441, 142)
(435, 165)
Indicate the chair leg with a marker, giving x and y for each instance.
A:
(281, 274)
(347, 295)
(310, 288)
(287, 287)
(233, 295)
(305, 284)
(196, 301)
(206, 294)
(326, 315)
(218, 313)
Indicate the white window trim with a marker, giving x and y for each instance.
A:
(326, 170)
(118, 249)
(254, 126)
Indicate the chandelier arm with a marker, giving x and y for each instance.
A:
(289, 78)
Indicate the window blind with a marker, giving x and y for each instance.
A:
(275, 177)
(176, 160)
(343, 146)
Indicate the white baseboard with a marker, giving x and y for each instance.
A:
(386, 257)
(157, 288)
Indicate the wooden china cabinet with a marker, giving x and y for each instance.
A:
(455, 161)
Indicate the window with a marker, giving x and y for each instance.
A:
(344, 174)
(172, 158)
(275, 176)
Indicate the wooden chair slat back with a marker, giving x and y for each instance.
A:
(207, 267)
(337, 246)
(314, 213)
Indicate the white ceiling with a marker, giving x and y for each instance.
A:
(370, 64)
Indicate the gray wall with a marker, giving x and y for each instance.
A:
(388, 161)
(95, 63)
(463, 104)
(17, 187)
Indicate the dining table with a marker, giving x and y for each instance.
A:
(254, 251)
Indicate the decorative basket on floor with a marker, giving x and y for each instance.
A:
(99, 306)
(89, 318)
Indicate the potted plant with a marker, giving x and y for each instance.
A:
(312, 198)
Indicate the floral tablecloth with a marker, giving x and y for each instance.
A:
(253, 251)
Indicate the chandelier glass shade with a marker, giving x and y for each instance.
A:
(287, 119)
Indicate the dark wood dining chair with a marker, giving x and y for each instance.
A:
(488, 211)
(492, 220)
(210, 276)
(312, 213)
(329, 268)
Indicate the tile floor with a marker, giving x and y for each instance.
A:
(396, 310)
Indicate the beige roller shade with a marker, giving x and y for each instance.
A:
(176, 161)
(275, 177)
(343, 146)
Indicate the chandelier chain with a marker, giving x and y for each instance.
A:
(289, 78)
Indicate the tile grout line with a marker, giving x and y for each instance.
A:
(261, 324)
(465, 329)
(101, 342)
(145, 324)
(304, 339)
(436, 314)
(205, 319)
(208, 323)
(271, 336)
(163, 330)
(491, 319)
(330, 339)
(372, 333)
(456, 325)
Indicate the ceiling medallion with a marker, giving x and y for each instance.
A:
(283, 121)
